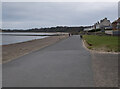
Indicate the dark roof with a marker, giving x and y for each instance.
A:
(116, 21)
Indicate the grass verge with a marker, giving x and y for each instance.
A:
(102, 43)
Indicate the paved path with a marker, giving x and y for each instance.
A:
(64, 64)
(105, 67)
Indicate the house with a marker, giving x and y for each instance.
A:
(97, 25)
(103, 24)
(116, 27)
(116, 24)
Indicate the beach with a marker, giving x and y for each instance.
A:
(13, 51)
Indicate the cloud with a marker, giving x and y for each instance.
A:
(45, 14)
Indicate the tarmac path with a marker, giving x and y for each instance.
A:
(64, 64)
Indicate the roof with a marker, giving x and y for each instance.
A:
(116, 21)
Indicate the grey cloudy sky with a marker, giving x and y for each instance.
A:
(23, 15)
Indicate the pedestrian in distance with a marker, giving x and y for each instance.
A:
(69, 35)
(81, 36)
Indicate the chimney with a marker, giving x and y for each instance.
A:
(105, 18)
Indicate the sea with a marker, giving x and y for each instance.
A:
(17, 37)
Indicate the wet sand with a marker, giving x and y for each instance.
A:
(13, 51)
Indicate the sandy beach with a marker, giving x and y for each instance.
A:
(13, 51)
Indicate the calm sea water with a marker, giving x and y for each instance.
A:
(10, 39)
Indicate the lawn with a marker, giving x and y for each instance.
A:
(102, 43)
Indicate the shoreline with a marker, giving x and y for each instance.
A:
(13, 51)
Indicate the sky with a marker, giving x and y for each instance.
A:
(25, 15)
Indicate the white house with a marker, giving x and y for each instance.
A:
(106, 24)
(103, 24)
(97, 25)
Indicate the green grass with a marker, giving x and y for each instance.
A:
(106, 43)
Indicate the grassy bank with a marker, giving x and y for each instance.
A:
(102, 43)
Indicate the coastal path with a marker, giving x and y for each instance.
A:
(64, 64)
